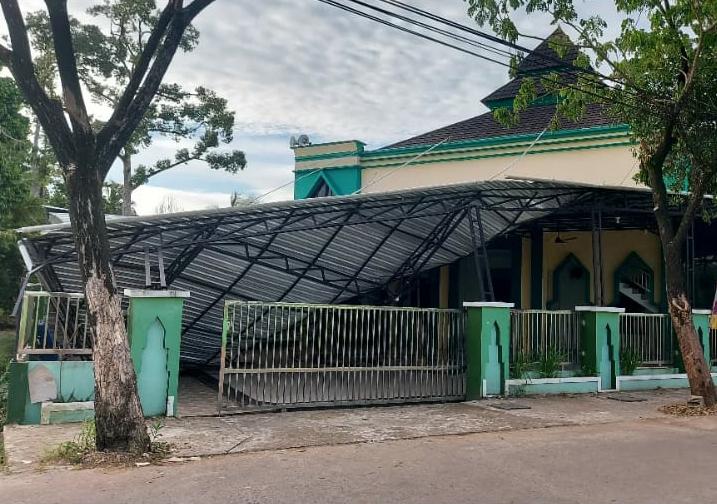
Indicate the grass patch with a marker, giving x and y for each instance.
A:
(82, 450)
(75, 451)
(7, 343)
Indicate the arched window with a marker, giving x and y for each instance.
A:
(571, 285)
(321, 189)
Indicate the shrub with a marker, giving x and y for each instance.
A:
(549, 363)
(629, 361)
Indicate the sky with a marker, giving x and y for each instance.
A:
(299, 66)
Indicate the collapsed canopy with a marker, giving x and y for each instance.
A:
(324, 250)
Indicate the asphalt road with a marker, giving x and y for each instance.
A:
(646, 461)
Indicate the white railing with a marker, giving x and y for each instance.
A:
(536, 333)
(291, 354)
(649, 336)
(53, 323)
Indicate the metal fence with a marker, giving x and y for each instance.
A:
(53, 323)
(649, 336)
(536, 333)
(280, 355)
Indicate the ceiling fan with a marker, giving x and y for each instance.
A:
(559, 240)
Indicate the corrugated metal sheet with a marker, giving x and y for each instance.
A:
(312, 251)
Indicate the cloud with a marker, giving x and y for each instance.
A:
(291, 66)
(148, 198)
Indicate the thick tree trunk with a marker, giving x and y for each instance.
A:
(696, 366)
(118, 414)
(126, 184)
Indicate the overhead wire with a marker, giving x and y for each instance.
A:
(453, 36)
(459, 38)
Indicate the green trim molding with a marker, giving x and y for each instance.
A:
(532, 152)
(569, 261)
(342, 180)
(527, 138)
(632, 262)
(328, 155)
(546, 99)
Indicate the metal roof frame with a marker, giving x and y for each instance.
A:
(322, 250)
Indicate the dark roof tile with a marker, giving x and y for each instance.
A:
(532, 120)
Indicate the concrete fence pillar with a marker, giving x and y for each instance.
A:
(600, 342)
(701, 319)
(487, 348)
(154, 327)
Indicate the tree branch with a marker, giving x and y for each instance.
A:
(156, 170)
(49, 112)
(197, 6)
(652, 164)
(5, 56)
(138, 74)
(67, 67)
(116, 133)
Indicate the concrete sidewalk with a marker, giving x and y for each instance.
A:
(657, 460)
(204, 436)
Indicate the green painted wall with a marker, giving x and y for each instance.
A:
(600, 344)
(342, 180)
(487, 349)
(74, 380)
(154, 325)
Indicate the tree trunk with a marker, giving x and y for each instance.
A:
(118, 414)
(696, 366)
(126, 184)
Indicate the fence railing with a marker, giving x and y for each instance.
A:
(535, 333)
(649, 336)
(285, 354)
(53, 323)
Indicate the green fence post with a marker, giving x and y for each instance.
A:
(487, 348)
(701, 319)
(600, 342)
(154, 326)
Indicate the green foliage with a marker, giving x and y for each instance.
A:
(549, 363)
(111, 195)
(629, 361)
(155, 429)
(658, 75)
(522, 366)
(106, 60)
(75, 451)
(588, 369)
(17, 207)
(7, 345)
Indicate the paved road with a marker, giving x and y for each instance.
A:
(646, 461)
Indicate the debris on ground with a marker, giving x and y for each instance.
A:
(624, 398)
(687, 409)
(508, 405)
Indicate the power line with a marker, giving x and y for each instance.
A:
(385, 22)
(408, 30)
(487, 36)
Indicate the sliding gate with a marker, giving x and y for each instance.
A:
(282, 355)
